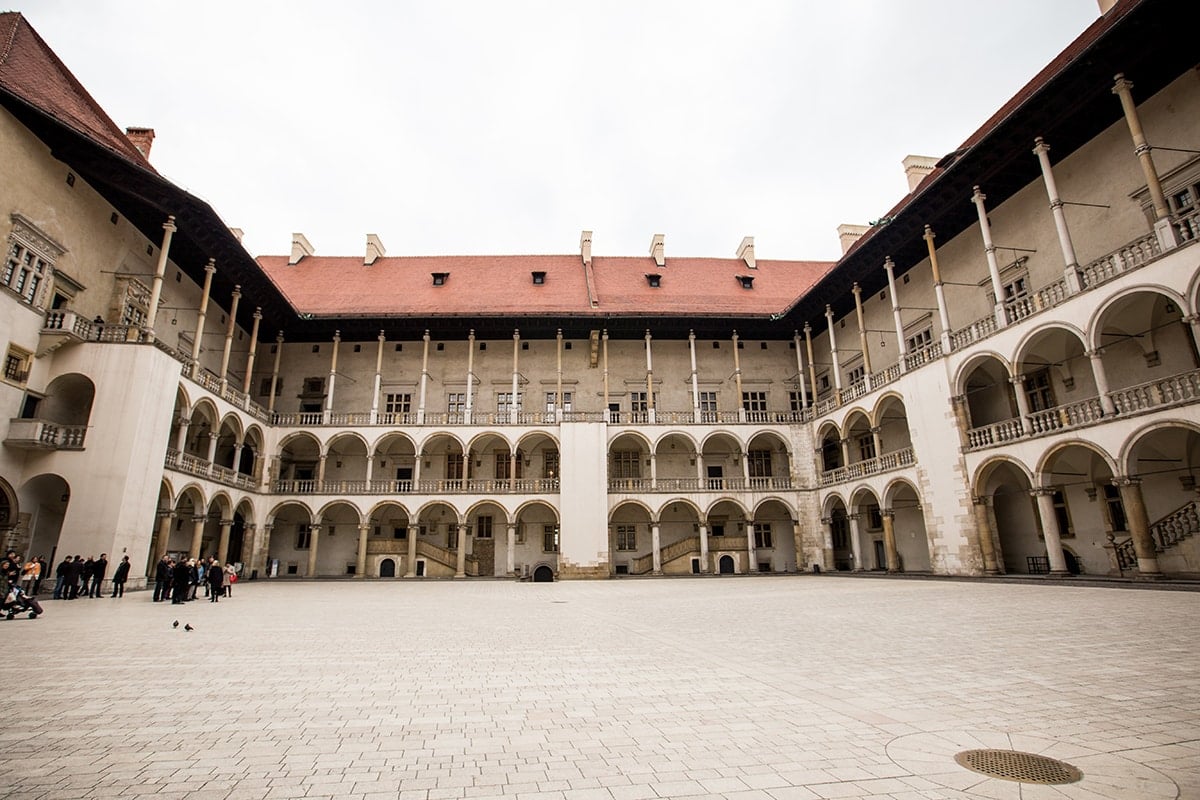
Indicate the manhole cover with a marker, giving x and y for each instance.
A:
(1013, 765)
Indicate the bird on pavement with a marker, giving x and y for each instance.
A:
(175, 624)
(188, 627)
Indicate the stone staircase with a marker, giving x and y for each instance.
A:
(1167, 532)
(684, 548)
(445, 557)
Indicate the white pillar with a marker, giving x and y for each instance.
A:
(160, 269)
(938, 289)
(653, 470)
(377, 386)
(890, 267)
(656, 548)
(812, 366)
(833, 353)
(209, 269)
(695, 378)
(461, 569)
(413, 532)
(360, 568)
(985, 230)
(253, 350)
(751, 551)
(800, 371)
(856, 544)
(1045, 508)
(181, 435)
(470, 406)
(1162, 226)
(314, 539)
(703, 548)
(604, 359)
(1018, 384)
(227, 349)
(424, 379)
(512, 406)
(510, 559)
(337, 339)
(737, 378)
(275, 372)
(558, 390)
(862, 334)
(649, 381)
(1106, 402)
(1071, 264)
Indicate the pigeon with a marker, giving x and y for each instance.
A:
(175, 624)
(188, 628)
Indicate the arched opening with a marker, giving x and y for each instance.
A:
(831, 448)
(1165, 463)
(543, 574)
(538, 457)
(989, 393)
(866, 517)
(487, 526)
(726, 565)
(727, 534)
(675, 456)
(336, 542)
(891, 422)
(721, 456)
(68, 400)
(438, 542)
(345, 463)
(844, 559)
(774, 537)
(291, 538)
(395, 466)
(536, 537)
(908, 527)
(1057, 382)
(1012, 516)
(387, 568)
(1143, 337)
(630, 540)
(1087, 506)
(43, 502)
(768, 463)
(443, 464)
(860, 439)
(190, 511)
(628, 464)
(297, 467)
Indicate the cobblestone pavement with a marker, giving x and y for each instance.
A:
(771, 688)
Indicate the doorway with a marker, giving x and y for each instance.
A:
(725, 565)
(387, 568)
(543, 574)
(880, 555)
(716, 475)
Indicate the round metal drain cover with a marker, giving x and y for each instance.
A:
(1013, 765)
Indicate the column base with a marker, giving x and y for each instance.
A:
(410, 574)
(1059, 573)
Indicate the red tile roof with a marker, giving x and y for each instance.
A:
(503, 286)
(30, 70)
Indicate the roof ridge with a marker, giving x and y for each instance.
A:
(12, 34)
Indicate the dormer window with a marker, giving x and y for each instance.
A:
(747, 281)
(654, 280)
(539, 278)
(439, 278)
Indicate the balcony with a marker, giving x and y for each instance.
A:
(202, 468)
(40, 434)
(871, 466)
(429, 487)
(677, 485)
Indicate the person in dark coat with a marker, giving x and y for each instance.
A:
(181, 581)
(77, 574)
(215, 576)
(99, 567)
(62, 574)
(119, 577)
(162, 579)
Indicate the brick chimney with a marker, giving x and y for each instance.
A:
(375, 250)
(300, 248)
(849, 234)
(916, 168)
(656, 250)
(141, 138)
(745, 251)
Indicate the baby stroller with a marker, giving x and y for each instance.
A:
(18, 602)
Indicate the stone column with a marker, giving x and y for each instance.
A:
(876, 441)
(1044, 495)
(890, 268)
(162, 538)
(323, 459)
(461, 569)
(370, 468)
(845, 445)
(983, 524)
(656, 547)
(275, 372)
(253, 350)
(558, 390)
(160, 269)
(209, 269)
(181, 435)
(737, 377)
(1018, 384)
(470, 407)
(800, 371)
(378, 385)
(703, 529)
(939, 290)
(231, 324)
(649, 381)
(862, 334)
(812, 366)
(263, 550)
(223, 542)
(424, 379)
(1106, 402)
(516, 375)
(1166, 232)
(212, 448)
(1071, 272)
(510, 555)
(751, 551)
(653, 470)
(695, 379)
(360, 569)
(197, 535)
(1139, 525)
(833, 354)
(1193, 321)
(889, 540)
(413, 532)
(337, 340)
(314, 540)
(989, 249)
(604, 358)
(855, 544)
(827, 543)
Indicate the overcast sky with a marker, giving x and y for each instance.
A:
(509, 127)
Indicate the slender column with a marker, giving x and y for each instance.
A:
(700, 469)
(249, 532)
(413, 532)
(745, 470)
(461, 568)
(181, 436)
(470, 407)
(417, 471)
(337, 340)
(223, 542)
(845, 444)
(360, 568)
(751, 552)
(703, 548)
(512, 406)
(800, 371)
(512, 470)
(695, 379)
(377, 387)
(424, 379)
(604, 358)
(238, 443)
(890, 267)
(163, 537)
(1193, 322)
(1071, 272)
(862, 334)
(160, 270)
(1018, 384)
(812, 365)
(209, 269)
(983, 523)
(212, 447)
(1106, 402)
(649, 381)
(558, 392)
(889, 540)
(1163, 227)
(253, 349)
(653, 470)
(370, 468)
(833, 353)
(855, 544)
(322, 461)
(827, 547)
(737, 378)
(875, 440)
(229, 328)
(1045, 507)
(985, 230)
(275, 372)
(1139, 525)
(510, 555)
(656, 547)
(197, 536)
(938, 289)
(263, 553)
(314, 540)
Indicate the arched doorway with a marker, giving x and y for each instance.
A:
(543, 574)
(726, 566)
(387, 568)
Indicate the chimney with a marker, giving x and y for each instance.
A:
(374, 250)
(585, 247)
(849, 234)
(916, 168)
(238, 233)
(656, 250)
(141, 138)
(1105, 5)
(745, 251)
(300, 248)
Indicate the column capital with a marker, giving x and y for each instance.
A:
(929, 235)
(856, 289)
(977, 195)
(169, 225)
(279, 338)
(1093, 354)
(257, 313)
(227, 523)
(981, 500)
(211, 266)
(268, 527)
(1121, 84)
(237, 290)
(315, 528)
(364, 526)
(888, 264)
(1042, 491)
(875, 429)
(1040, 147)
(165, 513)
(887, 513)
(201, 518)
(1018, 379)
(826, 520)
(1126, 480)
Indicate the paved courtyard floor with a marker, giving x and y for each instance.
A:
(768, 688)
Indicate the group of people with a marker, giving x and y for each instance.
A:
(180, 581)
(74, 576)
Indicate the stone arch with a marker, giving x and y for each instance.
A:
(346, 457)
(909, 531)
(36, 513)
(234, 423)
(861, 444)
(642, 440)
(1054, 366)
(291, 538)
(981, 358)
(774, 535)
(328, 507)
(68, 400)
(718, 434)
(1125, 458)
(537, 525)
(288, 505)
(891, 419)
(1057, 449)
(429, 506)
(831, 500)
(223, 502)
(1141, 336)
(651, 514)
(1105, 309)
(985, 381)
(829, 447)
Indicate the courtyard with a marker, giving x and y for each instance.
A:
(767, 688)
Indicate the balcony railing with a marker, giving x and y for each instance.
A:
(194, 465)
(430, 486)
(674, 485)
(871, 466)
(40, 434)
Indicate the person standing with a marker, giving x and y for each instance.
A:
(62, 574)
(215, 576)
(10, 571)
(230, 579)
(181, 581)
(119, 577)
(30, 573)
(85, 577)
(76, 575)
(43, 571)
(162, 579)
(99, 567)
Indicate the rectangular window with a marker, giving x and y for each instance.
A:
(16, 365)
(303, 536)
(1061, 513)
(759, 463)
(755, 404)
(626, 464)
(452, 537)
(796, 401)
(454, 466)
(919, 340)
(29, 262)
(567, 398)
(504, 403)
(550, 464)
(504, 465)
(638, 403)
(456, 402)
(857, 374)
(627, 537)
(264, 386)
(874, 518)
(400, 532)
(1116, 509)
(762, 535)
(1038, 390)
(483, 528)
(550, 539)
(397, 403)
(708, 406)
(866, 447)
(1016, 288)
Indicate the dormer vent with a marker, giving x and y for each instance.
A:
(747, 281)
(375, 250)
(439, 278)
(539, 278)
(745, 252)
(654, 279)
(300, 248)
(656, 250)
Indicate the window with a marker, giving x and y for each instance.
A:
(314, 385)
(755, 404)
(264, 386)
(16, 364)
(1038, 390)
(400, 532)
(397, 403)
(866, 447)
(505, 404)
(303, 536)
(638, 405)
(29, 262)
(550, 539)
(483, 528)
(874, 518)
(439, 278)
(758, 462)
(539, 278)
(1116, 509)
(135, 303)
(456, 402)
(839, 529)
(857, 374)
(762, 535)
(823, 381)
(708, 406)
(1016, 289)
(567, 398)
(626, 464)
(550, 464)
(747, 281)
(655, 281)
(454, 466)
(919, 340)
(452, 537)
(796, 401)
(1062, 514)
(504, 463)
(627, 537)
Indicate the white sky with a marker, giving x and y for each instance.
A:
(509, 127)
